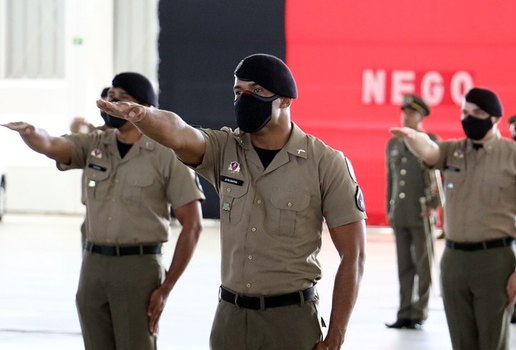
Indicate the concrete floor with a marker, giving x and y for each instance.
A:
(39, 266)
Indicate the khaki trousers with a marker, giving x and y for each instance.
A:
(112, 300)
(474, 296)
(294, 327)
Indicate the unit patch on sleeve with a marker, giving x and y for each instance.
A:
(359, 199)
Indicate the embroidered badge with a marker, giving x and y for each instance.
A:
(234, 167)
(97, 153)
(226, 206)
(458, 154)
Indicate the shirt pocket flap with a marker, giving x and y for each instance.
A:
(234, 191)
(97, 175)
(139, 181)
(295, 201)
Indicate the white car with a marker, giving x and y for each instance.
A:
(2, 192)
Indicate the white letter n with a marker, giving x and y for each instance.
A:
(373, 87)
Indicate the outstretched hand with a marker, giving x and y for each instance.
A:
(130, 111)
(24, 129)
(402, 132)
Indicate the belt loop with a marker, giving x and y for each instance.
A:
(301, 298)
(262, 302)
(220, 293)
(117, 250)
(141, 249)
(236, 300)
(484, 245)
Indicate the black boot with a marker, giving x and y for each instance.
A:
(400, 323)
(405, 323)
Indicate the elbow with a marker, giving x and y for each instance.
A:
(432, 154)
(194, 230)
(197, 229)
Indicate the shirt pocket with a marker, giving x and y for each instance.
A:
(497, 189)
(453, 179)
(232, 202)
(136, 187)
(97, 184)
(290, 206)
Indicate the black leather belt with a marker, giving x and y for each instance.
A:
(115, 250)
(255, 303)
(493, 243)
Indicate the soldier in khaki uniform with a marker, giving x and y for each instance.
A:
(276, 186)
(409, 202)
(130, 180)
(478, 265)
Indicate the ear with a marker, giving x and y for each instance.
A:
(285, 102)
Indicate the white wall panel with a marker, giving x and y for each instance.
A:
(85, 62)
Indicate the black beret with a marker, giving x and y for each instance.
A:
(415, 103)
(486, 100)
(137, 86)
(268, 71)
(512, 120)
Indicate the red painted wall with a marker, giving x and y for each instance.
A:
(354, 60)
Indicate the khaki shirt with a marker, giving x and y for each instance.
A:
(127, 199)
(480, 188)
(408, 180)
(271, 220)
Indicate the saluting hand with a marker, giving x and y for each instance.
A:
(157, 303)
(402, 132)
(511, 290)
(130, 111)
(24, 129)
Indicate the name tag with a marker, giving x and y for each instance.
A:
(231, 180)
(96, 167)
(452, 168)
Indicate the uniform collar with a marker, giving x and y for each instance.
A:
(144, 142)
(488, 145)
(296, 144)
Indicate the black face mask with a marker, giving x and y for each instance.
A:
(475, 128)
(112, 122)
(253, 112)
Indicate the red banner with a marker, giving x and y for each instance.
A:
(354, 60)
